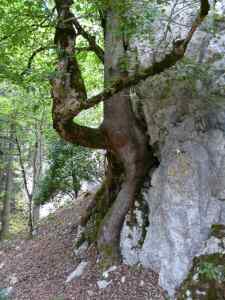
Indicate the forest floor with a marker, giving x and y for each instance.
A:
(37, 269)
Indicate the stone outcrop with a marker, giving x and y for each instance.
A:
(187, 190)
(206, 280)
(184, 110)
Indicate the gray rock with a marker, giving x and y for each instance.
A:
(130, 238)
(77, 272)
(182, 206)
(142, 283)
(212, 246)
(12, 279)
(109, 270)
(2, 265)
(80, 251)
(186, 128)
(208, 269)
(102, 284)
(90, 293)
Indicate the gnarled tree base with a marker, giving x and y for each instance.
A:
(114, 199)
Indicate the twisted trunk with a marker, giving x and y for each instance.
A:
(129, 157)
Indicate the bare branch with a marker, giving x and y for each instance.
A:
(29, 195)
(33, 55)
(91, 40)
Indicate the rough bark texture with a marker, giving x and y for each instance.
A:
(127, 140)
(68, 89)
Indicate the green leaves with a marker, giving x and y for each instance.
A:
(26, 26)
(69, 165)
(209, 271)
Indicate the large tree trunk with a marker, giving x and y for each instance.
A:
(121, 134)
(127, 140)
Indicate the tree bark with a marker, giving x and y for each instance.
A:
(8, 188)
(129, 157)
(128, 143)
(33, 209)
(37, 169)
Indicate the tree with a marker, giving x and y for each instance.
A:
(5, 214)
(121, 134)
(33, 211)
(23, 165)
(25, 24)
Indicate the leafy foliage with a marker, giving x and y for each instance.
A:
(211, 271)
(69, 165)
(27, 62)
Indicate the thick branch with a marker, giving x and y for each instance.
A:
(84, 136)
(68, 87)
(168, 61)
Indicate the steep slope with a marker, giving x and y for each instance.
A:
(38, 269)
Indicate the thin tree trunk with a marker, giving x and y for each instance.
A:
(37, 169)
(33, 209)
(8, 188)
(13, 197)
(29, 195)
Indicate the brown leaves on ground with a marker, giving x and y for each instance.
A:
(37, 269)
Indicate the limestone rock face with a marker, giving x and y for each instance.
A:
(187, 192)
(132, 238)
(185, 117)
(206, 280)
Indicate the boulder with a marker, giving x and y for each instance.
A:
(77, 272)
(102, 284)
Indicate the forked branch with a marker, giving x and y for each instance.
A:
(68, 88)
(177, 53)
(91, 40)
(69, 93)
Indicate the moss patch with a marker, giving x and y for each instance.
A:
(109, 256)
(218, 231)
(96, 214)
(206, 279)
(145, 212)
